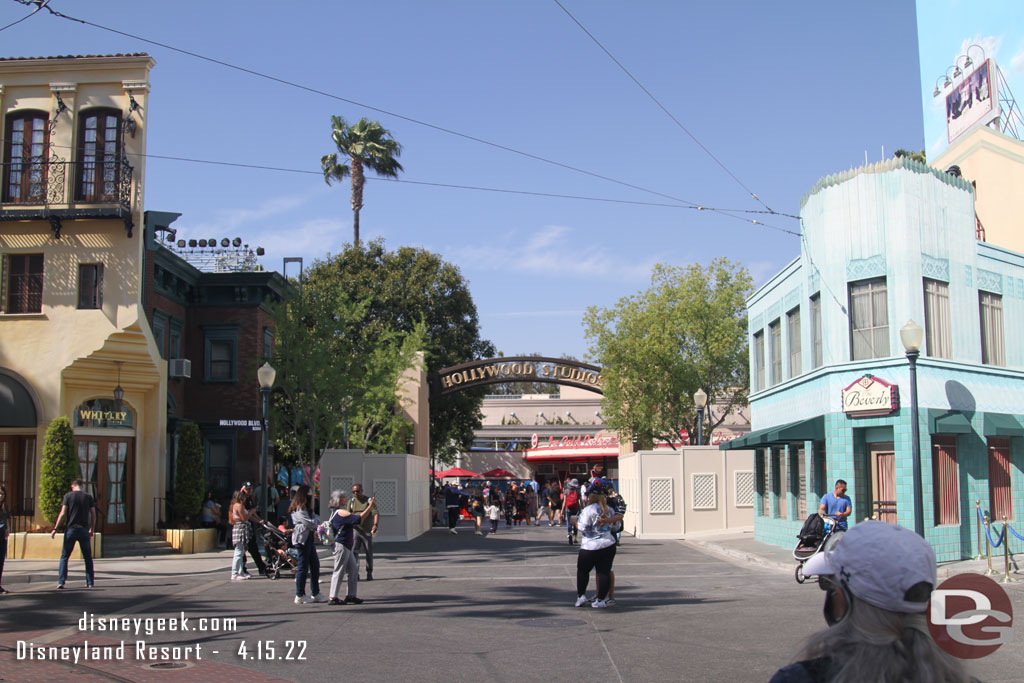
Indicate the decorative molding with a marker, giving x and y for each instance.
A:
(967, 276)
(705, 491)
(756, 323)
(64, 87)
(660, 496)
(386, 493)
(884, 167)
(793, 299)
(773, 313)
(814, 282)
(136, 85)
(935, 268)
(989, 281)
(862, 269)
(744, 488)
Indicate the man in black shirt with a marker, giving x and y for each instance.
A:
(80, 510)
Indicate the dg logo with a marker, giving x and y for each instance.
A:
(970, 616)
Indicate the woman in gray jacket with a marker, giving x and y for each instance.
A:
(304, 540)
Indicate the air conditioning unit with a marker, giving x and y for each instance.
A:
(180, 367)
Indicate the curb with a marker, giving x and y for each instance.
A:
(750, 558)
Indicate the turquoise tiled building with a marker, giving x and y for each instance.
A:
(883, 245)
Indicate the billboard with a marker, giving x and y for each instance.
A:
(972, 100)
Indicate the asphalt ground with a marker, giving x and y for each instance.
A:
(441, 608)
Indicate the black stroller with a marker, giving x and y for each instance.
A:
(814, 536)
(281, 555)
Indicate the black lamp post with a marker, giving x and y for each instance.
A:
(700, 399)
(266, 375)
(912, 335)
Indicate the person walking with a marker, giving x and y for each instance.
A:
(366, 528)
(254, 523)
(5, 531)
(304, 540)
(452, 502)
(571, 508)
(238, 517)
(493, 511)
(476, 508)
(80, 510)
(342, 524)
(555, 496)
(878, 580)
(531, 505)
(597, 547)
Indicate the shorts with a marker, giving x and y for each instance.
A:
(556, 506)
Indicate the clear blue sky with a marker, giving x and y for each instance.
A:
(781, 93)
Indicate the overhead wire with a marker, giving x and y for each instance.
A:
(667, 112)
(40, 4)
(282, 81)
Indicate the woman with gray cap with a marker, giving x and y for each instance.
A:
(877, 580)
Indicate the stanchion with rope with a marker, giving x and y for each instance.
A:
(989, 544)
(980, 520)
(1019, 538)
(1006, 555)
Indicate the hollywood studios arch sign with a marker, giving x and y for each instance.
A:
(479, 373)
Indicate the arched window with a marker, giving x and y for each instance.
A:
(25, 152)
(99, 155)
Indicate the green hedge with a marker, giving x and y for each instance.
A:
(59, 467)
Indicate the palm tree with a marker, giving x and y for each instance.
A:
(364, 143)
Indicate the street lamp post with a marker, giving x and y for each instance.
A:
(266, 375)
(912, 335)
(700, 399)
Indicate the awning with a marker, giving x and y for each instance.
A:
(811, 429)
(16, 407)
(948, 422)
(1001, 424)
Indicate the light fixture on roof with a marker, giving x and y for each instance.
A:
(118, 391)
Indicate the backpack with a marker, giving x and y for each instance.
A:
(618, 506)
(329, 530)
(812, 531)
(572, 500)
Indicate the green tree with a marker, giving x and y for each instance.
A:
(336, 370)
(58, 468)
(362, 144)
(189, 480)
(913, 156)
(657, 347)
(402, 288)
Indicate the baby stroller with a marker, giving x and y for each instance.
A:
(281, 555)
(814, 535)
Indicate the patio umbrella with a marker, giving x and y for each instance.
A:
(457, 472)
(498, 473)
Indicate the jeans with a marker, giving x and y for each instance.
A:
(364, 541)
(238, 561)
(254, 550)
(601, 560)
(79, 535)
(309, 564)
(344, 561)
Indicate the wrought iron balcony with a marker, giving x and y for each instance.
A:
(39, 190)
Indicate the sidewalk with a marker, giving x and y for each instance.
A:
(44, 572)
(742, 547)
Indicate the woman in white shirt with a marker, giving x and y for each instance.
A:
(597, 546)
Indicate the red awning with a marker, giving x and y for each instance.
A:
(540, 456)
(498, 473)
(457, 472)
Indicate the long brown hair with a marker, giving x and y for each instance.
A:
(300, 499)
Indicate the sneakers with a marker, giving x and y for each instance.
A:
(303, 599)
(599, 604)
(581, 601)
(608, 602)
(570, 539)
(319, 597)
(241, 577)
(453, 532)
(479, 533)
(335, 601)
(353, 600)
(60, 586)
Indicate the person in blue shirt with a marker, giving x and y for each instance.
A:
(837, 504)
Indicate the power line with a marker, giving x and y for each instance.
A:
(663, 108)
(40, 4)
(386, 112)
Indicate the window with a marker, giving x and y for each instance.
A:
(999, 489)
(946, 476)
(25, 158)
(869, 319)
(816, 331)
(221, 354)
(90, 285)
(99, 154)
(759, 361)
(793, 334)
(174, 340)
(775, 341)
(778, 482)
(220, 453)
(992, 350)
(761, 466)
(937, 334)
(24, 283)
(160, 332)
(268, 344)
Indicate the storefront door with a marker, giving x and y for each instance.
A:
(883, 482)
(105, 465)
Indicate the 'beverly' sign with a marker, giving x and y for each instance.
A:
(870, 396)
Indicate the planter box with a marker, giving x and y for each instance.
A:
(188, 541)
(39, 546)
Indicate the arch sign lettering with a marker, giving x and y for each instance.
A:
(516, 369)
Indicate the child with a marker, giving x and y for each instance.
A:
(493, 514)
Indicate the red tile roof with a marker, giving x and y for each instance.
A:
(132, 54)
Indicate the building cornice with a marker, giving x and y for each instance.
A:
(885, 167)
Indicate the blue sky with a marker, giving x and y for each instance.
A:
(948, 32)
(781, 93)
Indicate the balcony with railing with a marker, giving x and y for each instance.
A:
(56, 190)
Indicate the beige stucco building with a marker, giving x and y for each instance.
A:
(72, 327)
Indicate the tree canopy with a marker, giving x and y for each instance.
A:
(657, 347)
